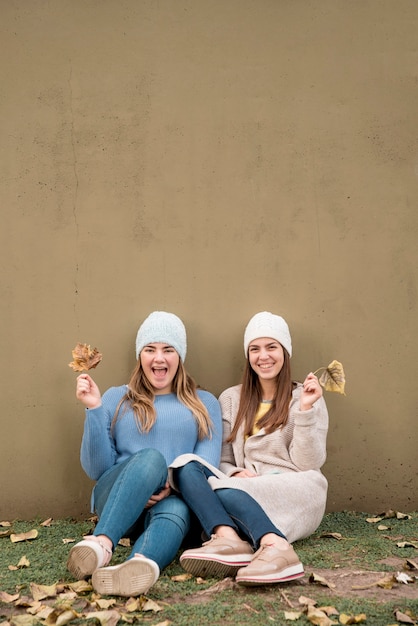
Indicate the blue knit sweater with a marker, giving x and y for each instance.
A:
(174, 432)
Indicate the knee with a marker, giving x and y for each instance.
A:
(148, 458)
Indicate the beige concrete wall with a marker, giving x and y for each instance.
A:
(212, 158)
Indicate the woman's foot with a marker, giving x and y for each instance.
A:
(131, 578)
(271, 565)
(220, 556)
(87, 555)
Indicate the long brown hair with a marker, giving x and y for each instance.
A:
(140, 397)
(251, 396)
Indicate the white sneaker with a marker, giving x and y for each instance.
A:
(131, 578)
(86, 556)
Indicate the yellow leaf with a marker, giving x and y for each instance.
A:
(333, 378)
(292, 615)
(24, 562)
(181, 578)
(314, 578)
(150, 605)
(106, 618)
(31, 534)
(352, 619)
(84, 358)
(319, 618)
(39, 592)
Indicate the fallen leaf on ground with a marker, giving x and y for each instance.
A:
(47, 522)
(411, 564)
(292, 615)
(31, 534)
(106, 618)
(407, 544)
(318, 617)
(181, 578)
(331, 536)
(40, 592)
(150, 605)
(405, 618)
(5, 524)
(402, 577)
(84, 358)
(7, 597)
(352, 619)
(314, 578)
(69, 540)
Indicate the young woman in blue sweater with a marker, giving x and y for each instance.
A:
(131, 435)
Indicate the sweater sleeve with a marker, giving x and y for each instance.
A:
(98, 451)
(308, 447)
(209, 448)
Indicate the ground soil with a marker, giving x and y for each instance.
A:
(342, 583)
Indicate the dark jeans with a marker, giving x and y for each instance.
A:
(223, 507)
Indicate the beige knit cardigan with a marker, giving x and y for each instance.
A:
(289, 485)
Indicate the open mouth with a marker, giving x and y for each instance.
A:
(159, 372)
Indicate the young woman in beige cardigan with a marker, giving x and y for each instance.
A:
(269, 490)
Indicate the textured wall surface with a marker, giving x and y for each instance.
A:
(213, 158)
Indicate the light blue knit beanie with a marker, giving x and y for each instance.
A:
(162, 327)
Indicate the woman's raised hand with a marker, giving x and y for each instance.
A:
(311, 392)
(88, 392)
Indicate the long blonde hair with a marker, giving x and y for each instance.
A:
(140, 398)
(251, 396)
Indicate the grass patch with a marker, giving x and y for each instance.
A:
(362, 548)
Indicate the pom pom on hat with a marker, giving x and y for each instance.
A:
(162, 327)
(266, 324)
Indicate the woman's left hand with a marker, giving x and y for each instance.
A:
(164, 493)
(311, 392)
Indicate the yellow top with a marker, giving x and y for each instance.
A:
(262, 410)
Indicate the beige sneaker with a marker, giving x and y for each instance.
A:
(131, 578)
(217, 557)
(271, 565)
(86, 556)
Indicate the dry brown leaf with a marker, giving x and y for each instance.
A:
(150, 605)
(31, 534)
(314, 578)
(333, 377)
(352, 619)
(407, 544)
(24, 562)
(405, 618)
(306, 601)
(40, 592)
(411, 564)
(69, 540)
(5, 524)
(7, 597)
(85, 358)
(318, 617)
(332, 536)
(106, 618)
(292, 615)
(181, 578)
(5, 533)
(47, 522)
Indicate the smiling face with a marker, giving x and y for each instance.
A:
(266, 358)
(160, 364)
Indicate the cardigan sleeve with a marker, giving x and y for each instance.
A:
(229, 400)
(308, 446)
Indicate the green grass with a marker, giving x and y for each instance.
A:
(361, 547)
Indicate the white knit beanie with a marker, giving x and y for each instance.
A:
(267, 324)
(162, 327)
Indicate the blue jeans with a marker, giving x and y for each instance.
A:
(120, 496)
(223, 507)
